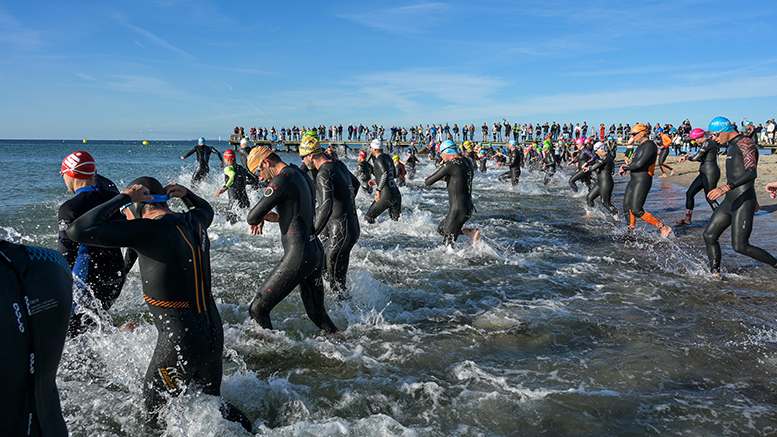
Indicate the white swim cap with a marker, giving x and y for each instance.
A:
(244, 142)
(599, 147)
(377, 143)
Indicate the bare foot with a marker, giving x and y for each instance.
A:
(672, 173)
(128, 326)
(665, 231)
(616, 217)
(663, 175)
(476, 237)
(683, 222)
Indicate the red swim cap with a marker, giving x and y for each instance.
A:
(78, 165)
(229, 154)
(363, 154)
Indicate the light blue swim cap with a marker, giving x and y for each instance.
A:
(720, 124)
(610, 138)
(448, 147)
(201, 140)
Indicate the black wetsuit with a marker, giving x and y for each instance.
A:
(410, 166)
(203, 157)
(364, 172)
(292, 193)
(604, 183)
(105, 268)
(739, 206)
(483, 163)
(458, 174)
(174, 258)
(390, 197)
(336, 212)
(36, 303)
(244, 152)
(516, 162)
(549, 160)
(641, 168)
(584, 156)
(709, 174)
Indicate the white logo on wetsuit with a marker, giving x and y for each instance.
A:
(268, 192)
(18, 312)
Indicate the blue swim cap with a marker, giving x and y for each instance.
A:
(720, 124)
(512, 142)
(201, 140)
(448, 147)
(748, 123)
(610, 138)
(409, 150)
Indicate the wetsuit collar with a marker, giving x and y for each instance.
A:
(87, 189)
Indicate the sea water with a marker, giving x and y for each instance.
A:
(557, 323)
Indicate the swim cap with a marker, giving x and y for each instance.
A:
(599, 147)
(482, 152)
(466, 143)
(395, 158)
(244, 142)
(720, 124)
(309, 146)
(409, 150)
(639, 128)
(610, 138)
(257, 155)
(201, 140)
(78, 165)
(362, 154)
(448, 147)
(696, 133)
(229, 154)
(310, 133)
(155, 189)
(748, 123)
(580, 141)
(377, 143)
(513, 143)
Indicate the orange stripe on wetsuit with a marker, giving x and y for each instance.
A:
(165, 303)
(198, 284)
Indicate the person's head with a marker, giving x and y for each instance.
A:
(201, 140)
(395, 158)
(229, 157)
(263, 162)
(639, 133)
(78, 169)
(362, 156)
(376, 146)
(155, 189)
(244, 143)
(721, 129)
(448, 150)
(309, 147)
(600, 148)
(697, 133)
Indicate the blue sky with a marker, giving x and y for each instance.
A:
(184, 69)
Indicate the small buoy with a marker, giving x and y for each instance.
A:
(84, 140)
(145, 143)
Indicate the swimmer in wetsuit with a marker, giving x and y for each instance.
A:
(399, 171)
(364, 172)
(236, 177)
(291, 192)
(174, 258)
(336, 212)
(666, 141)
(548, 162)
(387, 195)
(458, 173)
(709, 173)
(100, 271)
(36, 304)
(584, 157)
(516, 162)
(203, 157)
(739, 206)
(411, 162)
(641, 168)
(604, 183)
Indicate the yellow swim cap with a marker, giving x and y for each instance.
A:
(257, 155)
(395, 158)
(309, 145)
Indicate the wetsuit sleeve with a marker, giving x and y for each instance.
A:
(189, 153)
(230, 172)
(384, 177)
(325, 198)
(67, 247)
(96, 228)
(699, 156)
(596, 165)
(199, 208)
(272, 196)
(213, 149)
(640, 160)
(441, 172)
(750, 157)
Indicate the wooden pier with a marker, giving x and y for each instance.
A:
(293, 146)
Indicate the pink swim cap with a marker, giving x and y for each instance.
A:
(697, 133)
